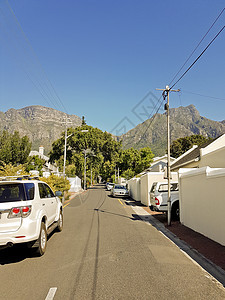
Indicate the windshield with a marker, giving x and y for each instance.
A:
(120, 187)
(11, 192)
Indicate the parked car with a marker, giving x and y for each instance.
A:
(109, 186)
(159, 198)
(29, 211)
(119, 191)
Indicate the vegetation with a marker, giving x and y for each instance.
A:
(34, 163)
(10, 170)
(57, 183)
(181, 145)
(105, 154)
(14, 150)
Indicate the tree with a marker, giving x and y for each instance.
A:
(13, 148)
(103, 146)
(108, 154)
(10, 170)
(181, 145)
(34, 163)
(83, 121)
(134, 161)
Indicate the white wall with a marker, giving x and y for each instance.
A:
(147, 181)
(202, 201)
(75, 184)
(134, 185)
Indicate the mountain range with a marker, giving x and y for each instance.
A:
(44, 125)
(184, 121)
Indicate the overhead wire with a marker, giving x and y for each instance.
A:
(197, 46)
(23, 65)
(143, 135)
(31, 64)
(205, 96)
(198, 57)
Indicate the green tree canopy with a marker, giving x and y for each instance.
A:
(102, 145)
(13, 148)
(107, 154)
(181, 145)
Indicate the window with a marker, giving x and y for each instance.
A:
(29, 190)
(42, 191)
(11, 192)
(164, 187)
(49, 192)
(45, 191)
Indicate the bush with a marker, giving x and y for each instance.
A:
(57, 183)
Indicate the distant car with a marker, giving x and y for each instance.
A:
(119, 191)
(29, 211)
(109, 186)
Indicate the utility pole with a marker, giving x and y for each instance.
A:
(115, 174)
(91, 175)
(66, 137)
(85, 157)
(165, 94)
(118, 174)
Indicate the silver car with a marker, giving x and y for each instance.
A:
(119, 191)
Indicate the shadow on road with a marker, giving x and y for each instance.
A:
(134, 216)
(14, 254)
(17, 253)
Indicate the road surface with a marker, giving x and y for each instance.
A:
(105, 251)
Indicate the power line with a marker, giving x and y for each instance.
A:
(184, 75)
(206, 96)
(187, 69)
(38, 77)
(198, 57)
(197, 45)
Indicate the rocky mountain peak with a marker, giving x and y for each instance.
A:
(43, 125)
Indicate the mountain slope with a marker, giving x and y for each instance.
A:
(184, 121)
(42, 125)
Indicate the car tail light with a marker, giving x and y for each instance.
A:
(156, 201)
(26, 210)
(17, 212)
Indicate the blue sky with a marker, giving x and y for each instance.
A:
(101, 57)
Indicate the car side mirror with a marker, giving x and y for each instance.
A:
(58, 193)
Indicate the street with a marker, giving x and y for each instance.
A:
(105, 251)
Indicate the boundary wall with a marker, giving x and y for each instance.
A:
(202, 201)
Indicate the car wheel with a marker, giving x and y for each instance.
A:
(175, 211)
(60, 222)
(42, 241)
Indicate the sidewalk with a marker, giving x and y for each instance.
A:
(207, 253)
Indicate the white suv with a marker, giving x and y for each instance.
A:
(29, 211)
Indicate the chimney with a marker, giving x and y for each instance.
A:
(41, 150)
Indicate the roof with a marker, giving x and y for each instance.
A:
(189, 156)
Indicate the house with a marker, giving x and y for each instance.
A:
(160, 163)
(48, 168)
(210, 154)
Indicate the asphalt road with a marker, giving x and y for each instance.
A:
(105, 251)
